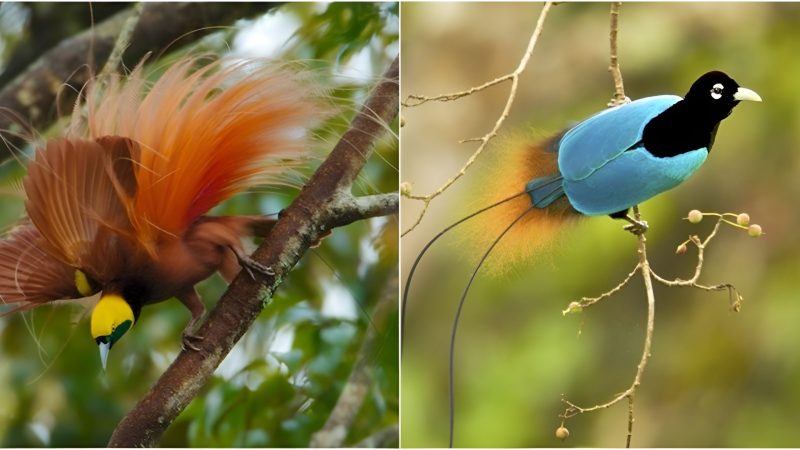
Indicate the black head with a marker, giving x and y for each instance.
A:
(716, 93)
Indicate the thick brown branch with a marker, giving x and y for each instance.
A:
(32, 94)
(301, 224)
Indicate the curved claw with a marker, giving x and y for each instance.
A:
(637, 227)
(187, 341)
(250, 265)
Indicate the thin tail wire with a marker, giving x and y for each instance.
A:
(407, 285)
(451, 371)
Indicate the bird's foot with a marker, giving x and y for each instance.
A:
(189, 336)
(636, 227)
(188, 339)
(250, 266)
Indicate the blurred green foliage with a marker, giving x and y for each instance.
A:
(281, 381)
(716, 378)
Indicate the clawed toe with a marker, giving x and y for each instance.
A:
(251, 266)
(187, 341)
(637, 227)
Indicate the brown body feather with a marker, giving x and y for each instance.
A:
(123, 196)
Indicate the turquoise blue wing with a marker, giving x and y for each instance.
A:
(630, 179)
(605, 136)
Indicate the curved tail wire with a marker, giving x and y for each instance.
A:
(451, 372)
(407, 285)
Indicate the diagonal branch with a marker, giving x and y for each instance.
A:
(299, 226)
(485, 139)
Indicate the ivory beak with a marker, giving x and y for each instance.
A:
(746, 94)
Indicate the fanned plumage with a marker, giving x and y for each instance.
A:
(205, 135)
(506, 171)
(28, 275)
(76, 194)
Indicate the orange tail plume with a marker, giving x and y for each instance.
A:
(508, 168)
(204, 134)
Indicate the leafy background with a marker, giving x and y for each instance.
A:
(716, 378)
(280, 382)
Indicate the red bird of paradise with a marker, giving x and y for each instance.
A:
(118, 204)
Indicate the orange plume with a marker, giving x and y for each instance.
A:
(512, 163)
(205, 135)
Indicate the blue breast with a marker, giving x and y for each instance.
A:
(630, 179)
(604, 167)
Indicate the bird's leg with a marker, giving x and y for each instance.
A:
(249, 264)
(191, 300)
(637, 227)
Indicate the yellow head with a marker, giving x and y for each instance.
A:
(111, 318)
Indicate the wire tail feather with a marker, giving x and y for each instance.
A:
(518, 165)
(424, 250)
(451, 372)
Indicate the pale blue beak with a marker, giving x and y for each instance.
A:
(104, 348)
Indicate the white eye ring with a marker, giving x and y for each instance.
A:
(716, 91)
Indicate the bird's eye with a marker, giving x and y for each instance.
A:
(716, 91)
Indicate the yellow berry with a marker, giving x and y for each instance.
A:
(405, 188)
(754, 230)
(562, 432)
(681, 249)
(695, 216)
(743, 219)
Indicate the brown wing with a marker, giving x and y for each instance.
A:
(30, 277)
(79, 195)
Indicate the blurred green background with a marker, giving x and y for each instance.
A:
(281, 381)
(716, 378)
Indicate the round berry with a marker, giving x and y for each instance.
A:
(754, 230)
(695, 216)
(743, 219)
(562, 432)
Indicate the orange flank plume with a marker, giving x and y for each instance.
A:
(204, 135)
(508, 167)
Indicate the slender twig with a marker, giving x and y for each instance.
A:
(629, 393)
(586, 302)
(630, 422)
(613, 67)
(648, 274)
(733, 293)
(485, 139)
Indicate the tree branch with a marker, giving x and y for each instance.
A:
(613, 66)
(299, 225)
(648, 275)
(416, 100)
(27, 100)
(335, 430)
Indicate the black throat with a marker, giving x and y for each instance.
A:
(683, 127)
